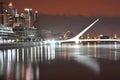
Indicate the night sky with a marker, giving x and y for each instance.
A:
(70, 7)
(74, 15)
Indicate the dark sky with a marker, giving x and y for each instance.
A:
(70, 7)
(106, 25)
(74, 15)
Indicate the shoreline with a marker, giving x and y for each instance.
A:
(19, 45)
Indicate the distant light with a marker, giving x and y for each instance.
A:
(36, 11)
(30, 9)
(76, 41)
(6, 10)
(53, 41)
(26, 9)
(50, 42)
(10, 4)
(22, 14)
(101, 35)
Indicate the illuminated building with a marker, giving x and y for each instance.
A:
(11, 14)
(115, 36)
(45, 34)
(11, 9)
(12, 18)
(67, 35)
(25, 33)
(35, 16)
(6, 34)
(19, 20)
(28, 17)
(22, 23)
(104, 37)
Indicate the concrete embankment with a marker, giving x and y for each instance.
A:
(19, 44)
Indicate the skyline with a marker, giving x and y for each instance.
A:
(68, 16)
(106, 25)
(70, 7)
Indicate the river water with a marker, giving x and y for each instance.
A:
(61, 62)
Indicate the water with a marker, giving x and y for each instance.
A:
(61, 62)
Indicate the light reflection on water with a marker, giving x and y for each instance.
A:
(24, 63)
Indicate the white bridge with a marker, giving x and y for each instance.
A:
(77, 40)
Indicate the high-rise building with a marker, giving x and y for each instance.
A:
(28, 17)
(1, 13)
(5, 17)
(19, 20)
(35, 16)
(10, 17)
(11, 9)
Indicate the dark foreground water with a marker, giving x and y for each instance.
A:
(61, 62)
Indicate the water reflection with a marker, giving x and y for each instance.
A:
(77, 53)
(24, 63)
(17, 64)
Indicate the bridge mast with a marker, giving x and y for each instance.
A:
(76, 38)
